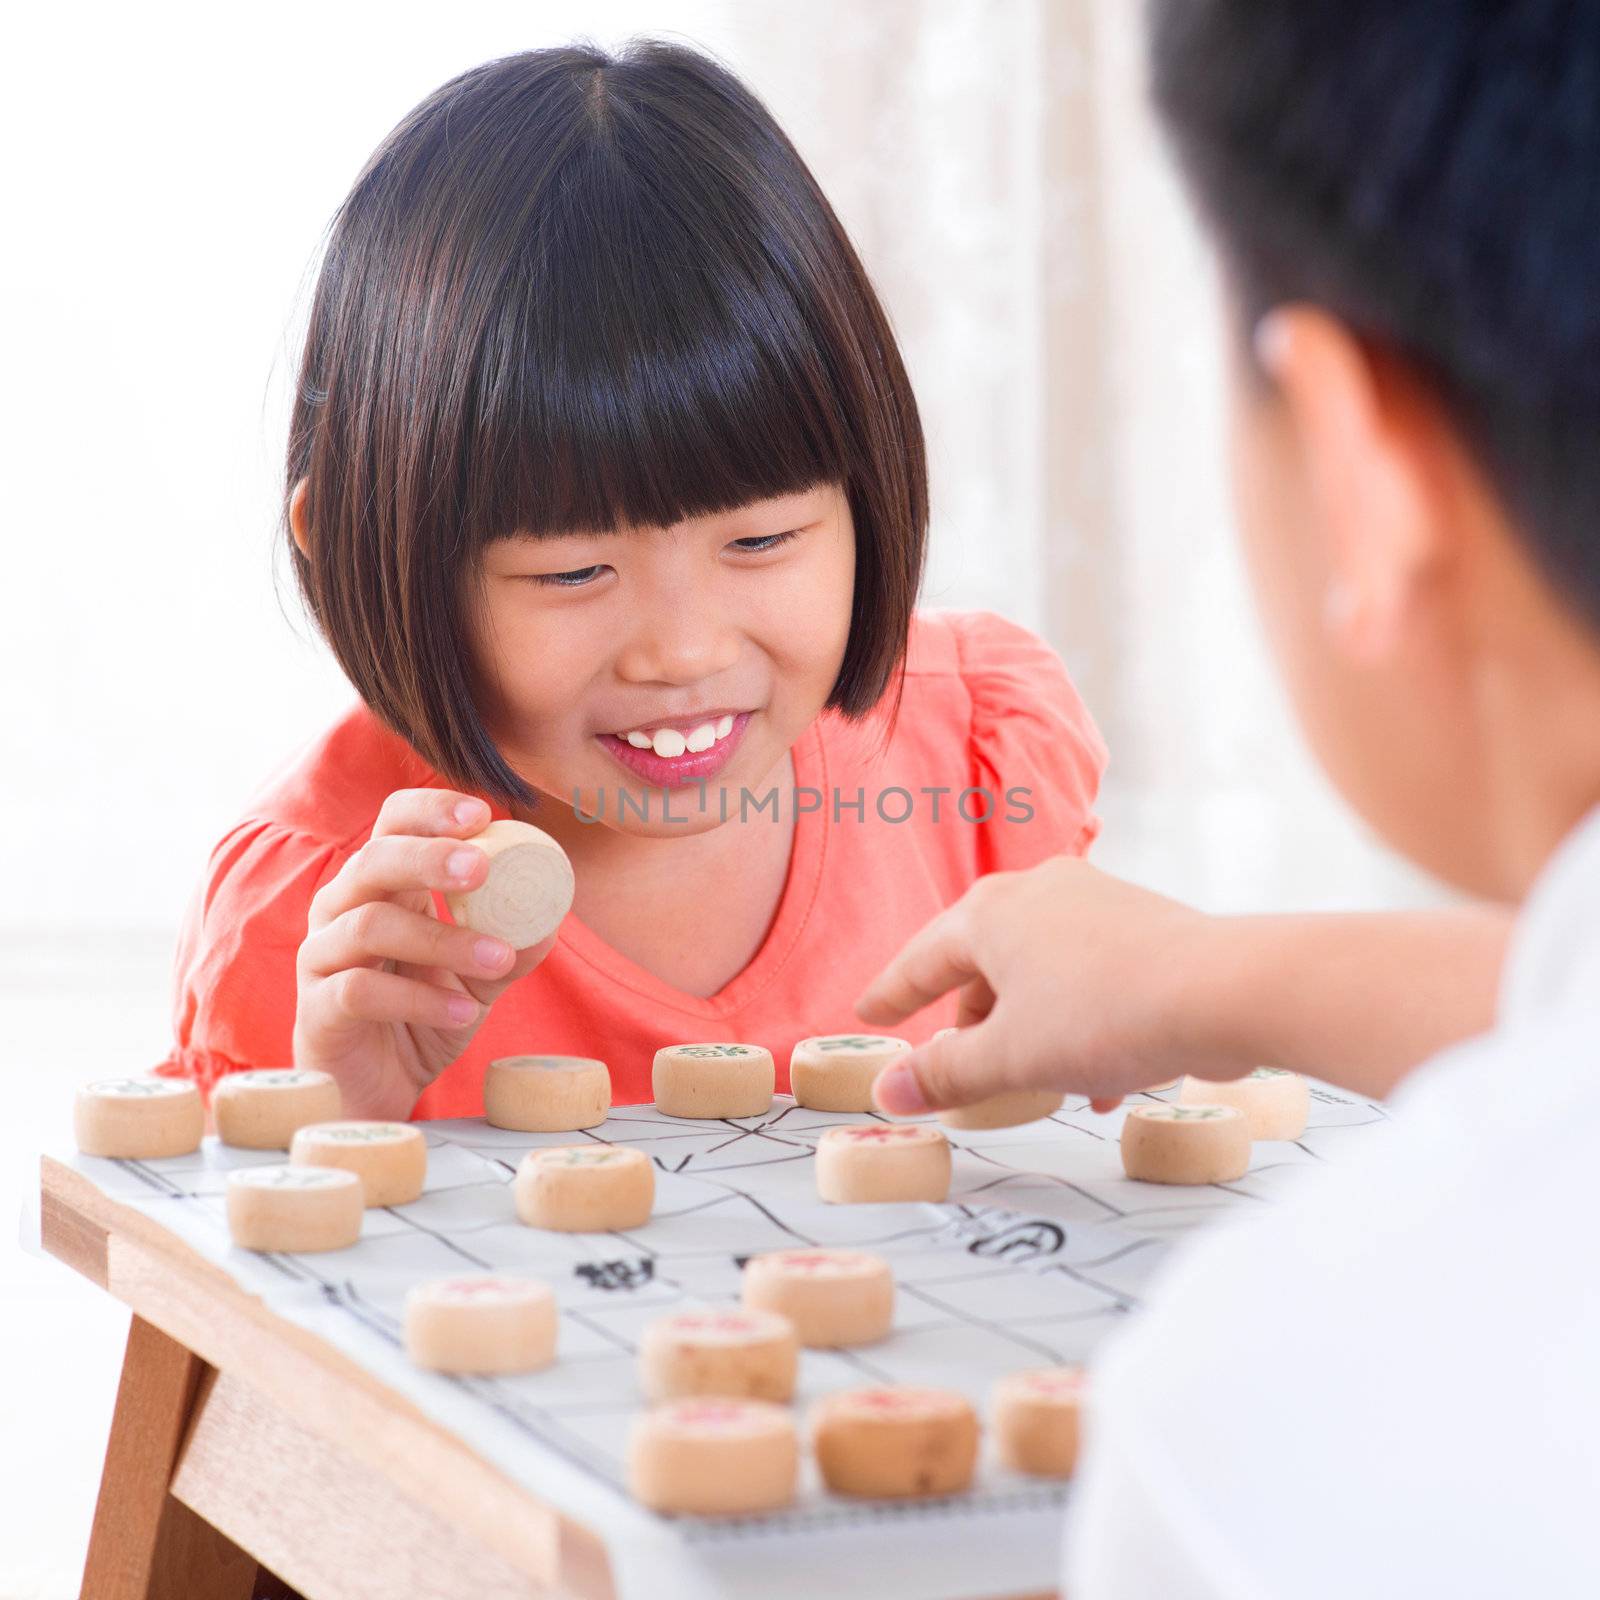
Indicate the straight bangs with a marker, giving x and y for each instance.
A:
(639, 369)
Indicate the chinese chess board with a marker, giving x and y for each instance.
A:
(1043, 1247)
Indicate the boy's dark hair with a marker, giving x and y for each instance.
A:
(577, 290)
(1428, 171)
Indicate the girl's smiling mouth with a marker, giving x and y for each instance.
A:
(679, 750)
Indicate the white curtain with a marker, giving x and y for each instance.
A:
(996, 162)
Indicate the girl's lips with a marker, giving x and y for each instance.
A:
(666, 772)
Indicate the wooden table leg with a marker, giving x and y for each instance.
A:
(144, 1544)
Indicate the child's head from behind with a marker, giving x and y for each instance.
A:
(1405, 200)
(601, 430)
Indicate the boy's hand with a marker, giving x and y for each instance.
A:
(389, 995)
(1069, 980)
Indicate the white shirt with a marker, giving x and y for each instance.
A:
(1389, 1385)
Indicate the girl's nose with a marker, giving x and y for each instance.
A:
(678, 643)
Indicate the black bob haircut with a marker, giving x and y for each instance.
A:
(1428, 171)
(573, 290)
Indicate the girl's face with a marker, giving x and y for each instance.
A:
(686, 659)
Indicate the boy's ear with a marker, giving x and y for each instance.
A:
(1366, 450)
(299, 522)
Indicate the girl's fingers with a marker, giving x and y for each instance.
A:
(526, 961)
(394, 864)
(431, 812)
(360, 996)
(379, 930)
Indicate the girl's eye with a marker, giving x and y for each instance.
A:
(567, 580)
(765, 541)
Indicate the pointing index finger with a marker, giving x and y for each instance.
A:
(932, 962)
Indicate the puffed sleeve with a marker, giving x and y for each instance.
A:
(234, 973)
(1035, 749)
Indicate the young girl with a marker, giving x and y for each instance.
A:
(606, 487)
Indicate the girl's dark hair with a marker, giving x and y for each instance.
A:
(581, 291)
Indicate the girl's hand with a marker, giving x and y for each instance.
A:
(1069, 980)
(389, 995)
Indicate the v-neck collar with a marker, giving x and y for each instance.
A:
(795, 905)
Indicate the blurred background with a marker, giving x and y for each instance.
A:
(174, 168)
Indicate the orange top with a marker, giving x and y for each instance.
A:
(986, 704)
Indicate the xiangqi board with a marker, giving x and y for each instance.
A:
(1043, 1247)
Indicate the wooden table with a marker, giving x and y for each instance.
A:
(241, 1443)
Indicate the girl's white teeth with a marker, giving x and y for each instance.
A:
(669, 743)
